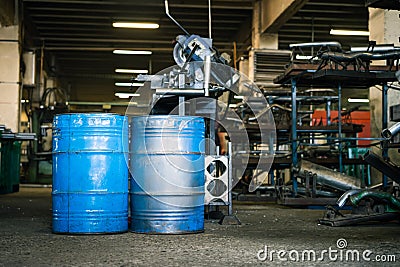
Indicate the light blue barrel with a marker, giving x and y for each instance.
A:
(90, 173)
(167, 167)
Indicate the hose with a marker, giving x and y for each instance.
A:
(391, 200)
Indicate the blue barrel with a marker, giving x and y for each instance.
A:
(90, 173)
(167, 167)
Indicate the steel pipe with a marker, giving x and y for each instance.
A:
(328, 177)
(392, 131)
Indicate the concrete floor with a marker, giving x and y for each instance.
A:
(27, 240)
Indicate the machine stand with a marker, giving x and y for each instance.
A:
(229, 220)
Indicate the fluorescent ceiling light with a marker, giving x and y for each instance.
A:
(135, 25)
(131, 71)
(132, 52)
(349, 32)
(238, 97)
(126, 95)
(301, 57)
(232, 105)
(358, 100)
(129, 84)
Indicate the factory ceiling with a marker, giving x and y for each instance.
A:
(78, 37)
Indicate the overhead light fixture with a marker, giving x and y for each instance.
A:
(131, 52)
(131, 71)
(358, 100)
(349, 32)
(126, 95)
(132, 84)
(302, 57)
(238, 97)
(136, 25)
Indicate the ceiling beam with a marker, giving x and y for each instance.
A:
(107, 18)
(321, 12)
(114, 40)
(95, 23)
(275, 13)
(329, 19)
(170, 38)
(240, 5)
(337, 3)
(80, 31)
(105, 49)
(308, 25)
(130, 12)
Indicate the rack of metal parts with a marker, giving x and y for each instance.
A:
(266, 65)
(325, 74)
(7, 134)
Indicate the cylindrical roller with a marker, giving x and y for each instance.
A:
(328, 177)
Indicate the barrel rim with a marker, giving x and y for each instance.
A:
(90, 113)
(187, 232)
(166, 116)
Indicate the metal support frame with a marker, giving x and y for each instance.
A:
(340, 127)
(181, 106)
(385, 166)
(219, 196)
(230, 176)
(384, 126)
(223, 198)
(294, 132)
(294, 135)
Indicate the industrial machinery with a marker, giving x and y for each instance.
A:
(192, 88)
(38, 169)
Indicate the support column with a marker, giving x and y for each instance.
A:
(384, 28)
(10, 80)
